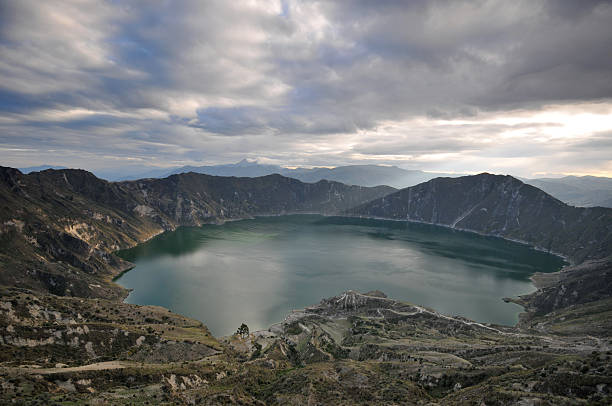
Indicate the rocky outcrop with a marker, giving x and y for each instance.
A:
(35, 327)
(588, 282)
(341, 342)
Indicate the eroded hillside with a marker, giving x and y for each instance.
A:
(350, 349)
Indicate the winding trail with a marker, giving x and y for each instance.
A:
(98, 366)
(464, 215)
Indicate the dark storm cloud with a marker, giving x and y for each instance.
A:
(159, 78)
(484, 54)
(571, 9)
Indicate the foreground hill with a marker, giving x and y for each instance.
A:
(501, 206)
(352, 349)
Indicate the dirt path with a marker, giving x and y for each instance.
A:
(98, 366)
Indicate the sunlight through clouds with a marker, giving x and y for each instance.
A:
(519, 87)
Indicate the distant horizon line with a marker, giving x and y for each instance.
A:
(41, 167)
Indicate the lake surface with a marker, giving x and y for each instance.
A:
(256, 271)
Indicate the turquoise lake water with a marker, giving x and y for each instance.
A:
(256, 271)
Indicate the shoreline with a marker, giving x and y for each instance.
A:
(222, 221)
(507, 300)
(569, 261)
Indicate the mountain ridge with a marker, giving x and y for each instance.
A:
(498, 205)
(359, 175)
(91, 217)
(580, 191)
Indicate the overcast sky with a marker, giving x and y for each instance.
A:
(520, 87)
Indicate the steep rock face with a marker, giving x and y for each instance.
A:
(193, 199)
(58, 228)
(501, 206)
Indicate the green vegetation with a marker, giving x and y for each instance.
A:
(243, 331)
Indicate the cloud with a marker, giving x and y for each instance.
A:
(306, 82)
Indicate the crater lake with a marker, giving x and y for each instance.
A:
(256, 271)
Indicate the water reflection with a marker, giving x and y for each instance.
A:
(256, 271)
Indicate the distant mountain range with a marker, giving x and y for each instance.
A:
(581, 191)
(40, 168)
(585, 191)
(360, 175)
